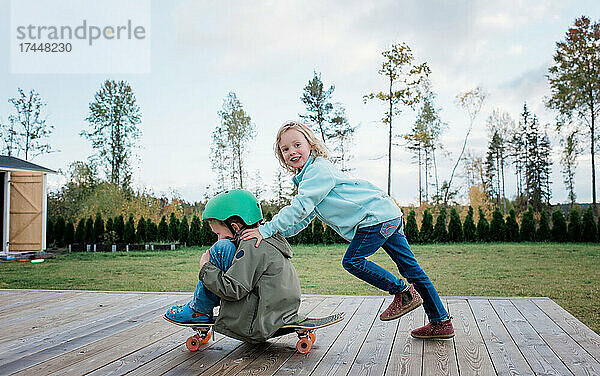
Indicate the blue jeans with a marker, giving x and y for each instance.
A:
(221, 254)
(390, 236)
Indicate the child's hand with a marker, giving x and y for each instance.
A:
(252, 233)
(205, 258)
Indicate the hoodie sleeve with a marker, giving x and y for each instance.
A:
(247, 267)
(316, 184)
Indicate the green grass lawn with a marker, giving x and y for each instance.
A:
(567, 273)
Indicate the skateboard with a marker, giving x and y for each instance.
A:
(304, 329)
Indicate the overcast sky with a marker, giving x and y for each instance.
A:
(267, 51)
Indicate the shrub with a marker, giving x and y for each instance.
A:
(411, 230)
(497, 227)
(317, 232)
(483, 227)
(469, 229)
(574, 226)
(195, 231)
(80, 232)
(129, 234)
(440, 234)
(151, 231)
(163, 229)
(512, 227)
(69, 234)
(528, 226)
(119, 224)
(455, 231)
(426, 232)
(543, 231)
(590, 232)
(140, 232)
(98, 228)
(173, 234)
(89, 230)
(268, 216)
(184, 230)
(559, 226)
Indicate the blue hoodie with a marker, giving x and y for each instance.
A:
(344, 204)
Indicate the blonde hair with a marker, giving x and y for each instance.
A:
(317, 147)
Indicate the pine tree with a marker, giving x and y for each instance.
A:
(483, 227)
(59, 231)
(411, 231)
(140, 233)
(559, 226)
(110, 231)
(426, 232)
(469, 229)
(590, 232)
(196, 231)
(455, 231)
(512, 227)
(98, 228)
(574, 226)
(129, 234)
(317, 232)
(69, 234)
(328, 235)
(543, 232)
(163, 230)
(119, 228)
(528, 226)
(89, 230)
(173, 234)
(184, 230)
(497, 227)
(80, 231)
(440, 234)
(49, 231)
(151, 231)
(209, 237)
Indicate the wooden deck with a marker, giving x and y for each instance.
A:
(116, 333)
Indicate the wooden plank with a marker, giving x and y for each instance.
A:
(283, 348)
(471, 353)
(104, 351)
(234, 362)
(305, 364)
(566, 348)
(340, 356)
(38, 339)
(439, 357)
(375, 350)
(537, 353)
(504, 353)
(584, 336)
(13, 298)
(115, 325)
(406, 357)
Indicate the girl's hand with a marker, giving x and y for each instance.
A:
(205, 258)
(252, 233)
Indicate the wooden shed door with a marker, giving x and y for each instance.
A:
(26, 203)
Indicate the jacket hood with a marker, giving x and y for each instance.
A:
(277, 241)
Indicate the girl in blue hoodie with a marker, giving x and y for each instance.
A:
(362, 214)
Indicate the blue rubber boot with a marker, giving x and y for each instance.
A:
(184, 314)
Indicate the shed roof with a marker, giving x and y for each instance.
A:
(15, 164)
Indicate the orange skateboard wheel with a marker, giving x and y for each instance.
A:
(193, 343)
(304, 345)
(312, 337)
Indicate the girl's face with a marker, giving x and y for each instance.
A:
(295, 148)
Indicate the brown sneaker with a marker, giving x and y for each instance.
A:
(403, 303)
(435, 330)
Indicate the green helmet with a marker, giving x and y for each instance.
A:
(233, 202)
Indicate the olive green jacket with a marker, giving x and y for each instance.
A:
(259, 293)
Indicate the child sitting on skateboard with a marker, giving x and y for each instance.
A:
(258, 288)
